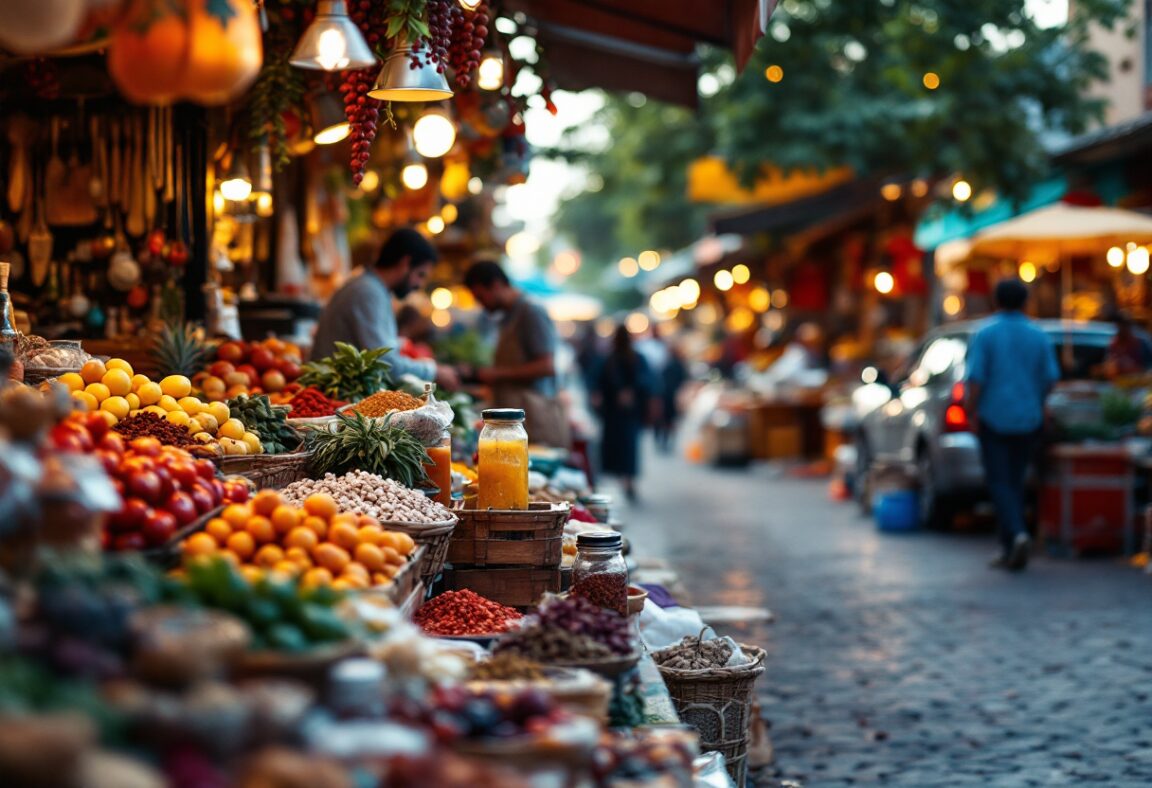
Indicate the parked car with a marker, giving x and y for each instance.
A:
(918, 424)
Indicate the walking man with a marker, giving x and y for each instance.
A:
(1011, 368)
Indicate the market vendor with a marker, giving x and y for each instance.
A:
(1128, 352)
(361, 311)
(523, 374)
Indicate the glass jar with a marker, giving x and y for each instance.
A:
(599, 573)
(599, 506)
(439, 470)
(503, 465)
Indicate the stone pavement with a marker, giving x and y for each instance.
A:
(904, 660)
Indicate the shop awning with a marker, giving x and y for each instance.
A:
(710, 181)
(848, 198)
(639, 45)
(1108, 143)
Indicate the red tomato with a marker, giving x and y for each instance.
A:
(159, 527)
(132, 515)
(262, 359)
(181, 506)
(167, 483)
(205, 469)
(236, 492)
(202, 495)
(251, 373)
(73, 437)
(184, 473)
(112, 441)
(231, 351)
(144, 485)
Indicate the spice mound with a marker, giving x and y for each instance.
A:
(695, 654)
(570, 630)
(150, 425)
(383, 402)
(371, 495)
(311, 403)
(507, 667)
(606, 589)
(464, 613)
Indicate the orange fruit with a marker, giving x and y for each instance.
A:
(341, 584)
(370, 535)
(316, 577)
(406, 543)
(218, 529)
(332, 557)
(380, 579)
(242, 544)
(366, 520)
(266, 501)
(285, 518)
(237, 514)
(93, 371)
(389, 539)
(268, 556)
(344, 534)
(347, 518)
(321, 505)
(357, 569)
(370, 555)
(392, 556)
(390, 570)
(316, 525)
(253, 574)
(302, 537)
(299, 556)
(354, 581)
(200, 544)
(261, 529)
(289, 568)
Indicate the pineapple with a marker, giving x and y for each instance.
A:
(178, 350)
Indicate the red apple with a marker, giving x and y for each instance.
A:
(231, 351)
(109, 459)
(167, 483)
(158, 528)
(144, 485)
(97, 425)
(236, 492)
(182, 507)
(133, 540)
(221, 369)
(202, 495)
(251, 373)
(289, 368)
(113, 442)
(262, 359)
(236, 378)
(205, 469)
(133, 512)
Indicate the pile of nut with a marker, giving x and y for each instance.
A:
(371, 495)
(507, 667)
(693, 653)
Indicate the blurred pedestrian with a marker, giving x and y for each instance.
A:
(523, 371)
(671, 380)
(1011, 368)
(1128, 353)
(623, 397)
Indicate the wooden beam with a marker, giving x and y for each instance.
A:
(571, 13)
(577, 66)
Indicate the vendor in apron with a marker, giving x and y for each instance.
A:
(523, 373)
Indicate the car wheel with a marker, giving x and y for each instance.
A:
(935, 510)
(862, 477)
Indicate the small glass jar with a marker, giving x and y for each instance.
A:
(439, 470)
(599, 506)
(599, 573)
(503, 464)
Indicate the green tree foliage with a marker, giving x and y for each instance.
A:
(853, 92)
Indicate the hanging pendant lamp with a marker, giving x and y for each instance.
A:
(332, 42)
(329, 124)
(398, 81)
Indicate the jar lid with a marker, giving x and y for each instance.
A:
(600, 540)
(596, 498)
(502, 414)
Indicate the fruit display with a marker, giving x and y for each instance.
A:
(456, 713)
(271, 367)
(283, 615)
(259, 417)
(315, 542)
(367, 493)
(464, 613)
(348, 374)
(372, 445)
(312, 403)
(179, 350)
(571, 629)
(384, 402)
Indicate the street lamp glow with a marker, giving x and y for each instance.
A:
(891, 191)
(449, 213)
(1138, 261)
(441, 298)
(1027, 271)
(780, 298)
(884, 283)
(774, 73)
(475, 185)
(370, 182)
(931, 80)
(723, 280)
(567, 262)
(689, 291)
(1115, 257)
(741, 274)
(414, 176)
(434, 134)
(648, 260)
(953, 304)
(962, 191)
(628, 267)
(759, 300)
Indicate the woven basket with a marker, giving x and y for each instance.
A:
(34, 376)
(718, 704)
(267, 470)
(437, 537)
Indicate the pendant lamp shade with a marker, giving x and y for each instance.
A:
(329, 124)
(398, 81)
(332, 42)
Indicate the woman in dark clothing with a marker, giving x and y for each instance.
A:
(623, 397)
(674, 377)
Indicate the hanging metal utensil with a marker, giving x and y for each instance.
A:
(56, 180)
(169, 156)
(40, 243)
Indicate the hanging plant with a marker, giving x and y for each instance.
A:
(278, 92)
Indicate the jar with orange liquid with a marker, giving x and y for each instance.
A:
(503, 465)
(439, 470)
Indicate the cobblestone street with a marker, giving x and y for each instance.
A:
(904, 660)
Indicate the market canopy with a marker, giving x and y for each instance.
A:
(1061, 230)
(640, 45)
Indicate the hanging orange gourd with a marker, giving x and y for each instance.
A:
(226, 51)
(148, 51)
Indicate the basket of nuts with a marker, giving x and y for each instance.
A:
(398, 508)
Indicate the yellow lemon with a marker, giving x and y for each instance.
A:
(108, 417)
(119, 363)
(191, 406)
(117, 406)
(133, 400)
(232, 428)
(168, 403)
(179, 417)
(159, 411)
(99, 391)
(87, 400)
(118, 382)
(139, 380)
(149, 393)
(72, 380)
(93, 371)
(176, 386)
(252, 441)
(221, 411)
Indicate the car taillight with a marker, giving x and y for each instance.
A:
(955, 417)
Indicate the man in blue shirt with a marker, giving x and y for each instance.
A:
(1011, 368)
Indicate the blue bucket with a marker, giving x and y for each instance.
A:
(896, 510)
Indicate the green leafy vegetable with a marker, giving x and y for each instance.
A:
(372, 445)
(349, 374)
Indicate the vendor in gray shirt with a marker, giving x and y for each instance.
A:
(361, 312)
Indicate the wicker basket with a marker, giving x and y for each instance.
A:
(34, 376)
(267, 470)
(718, 704)
(491, 537)
(520, 587)
(437, 537)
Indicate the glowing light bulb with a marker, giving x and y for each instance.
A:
(332, 50)
(370, 182)
(332, 134)
(962, 191)
(441, 298)
(490, 72)
(1027, 271)
(433, 135)
(236, 189)
(628, 267)
(1138, 261)
(264, 204)
(435, 225)
(414, 176)
(723, 280)
(741, 274)
(1115, 257)
(449, 213)
(884, 283)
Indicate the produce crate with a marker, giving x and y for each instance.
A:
(1086, 500)
(436, 536)
(407, 578)
(531, 537)
(414, 600)
(520, 587)
(267, 471)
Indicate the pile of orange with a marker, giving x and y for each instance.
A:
(315, 542)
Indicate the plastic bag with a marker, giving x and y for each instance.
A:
(428, 422)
